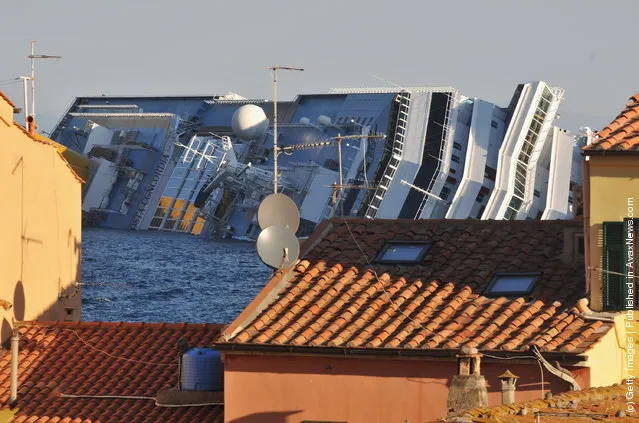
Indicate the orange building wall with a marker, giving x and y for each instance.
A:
(40, 228)
(287, 389)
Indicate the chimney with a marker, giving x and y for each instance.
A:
(32, 125)
(468, 387)
(508, 382)
(15, 338)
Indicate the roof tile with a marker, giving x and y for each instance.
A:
(135, 360)
(622, 134)
(601, 403)
(337, 298)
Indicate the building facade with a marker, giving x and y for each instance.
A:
(611, 189)
(41, 240)
(369, 325)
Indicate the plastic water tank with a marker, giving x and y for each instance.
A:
(202, 370)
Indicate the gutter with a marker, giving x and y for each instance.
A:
(565, 358)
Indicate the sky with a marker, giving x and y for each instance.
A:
(484, 48)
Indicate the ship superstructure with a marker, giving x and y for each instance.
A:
(178, 163)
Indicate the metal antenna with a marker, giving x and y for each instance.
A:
(26, 100)
(275, 68)
(33, 57)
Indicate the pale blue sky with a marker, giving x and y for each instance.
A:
(484, 48)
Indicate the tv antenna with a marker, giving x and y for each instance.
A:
(275, 68)
(33, 58)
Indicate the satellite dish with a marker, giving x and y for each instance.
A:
(278, 247)
(278, 210)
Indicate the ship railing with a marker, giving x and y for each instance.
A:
(397, 153)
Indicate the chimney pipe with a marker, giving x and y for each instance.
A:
(32, 125)
(15, 338)
(508, 382)
(468, 386)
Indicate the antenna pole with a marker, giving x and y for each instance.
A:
(33, 78)
(26, 100)
(33, 57)
(341, 185)
(276, 151)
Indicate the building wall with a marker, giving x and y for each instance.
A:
(287, 389)
(40, 238)
(613, 181)
(611, 350)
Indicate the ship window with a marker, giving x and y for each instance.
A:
(511, 284)
(403, 252)
(454, 158)
(457, 146)
(537, 193)
(444, 193)
(493, 124)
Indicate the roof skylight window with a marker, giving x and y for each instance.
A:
(403, 252)
(512, 284)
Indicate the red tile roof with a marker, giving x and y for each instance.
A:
(333, 298)
(602, 401)
(622, 134)
(63, 358)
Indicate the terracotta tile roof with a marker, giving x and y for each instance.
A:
(622, 134)
(56, 358)
(603, 401)
(333, 298)
(7, 99)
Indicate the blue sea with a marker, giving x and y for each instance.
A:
(166, 277)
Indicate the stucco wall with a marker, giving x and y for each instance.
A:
(613, 179)
(607, 358)
(279, 389)
(40, 232)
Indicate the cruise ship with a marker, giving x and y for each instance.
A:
(183, 164)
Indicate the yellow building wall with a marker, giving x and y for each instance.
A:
(607, 359)
(613, 181)
(40, 229)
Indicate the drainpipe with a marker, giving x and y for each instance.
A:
(15, 338)
(585, 197)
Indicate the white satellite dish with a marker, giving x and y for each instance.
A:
(278, 210)
(278, 247)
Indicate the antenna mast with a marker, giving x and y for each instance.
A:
(33, 57)
(275, 68)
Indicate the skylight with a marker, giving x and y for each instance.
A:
(511, 284)
(403, 252)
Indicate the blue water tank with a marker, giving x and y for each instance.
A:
(202, 370)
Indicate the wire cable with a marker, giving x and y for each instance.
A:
(418, 323)
(130, 360)
(136, 397)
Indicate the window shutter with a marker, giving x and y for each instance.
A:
(614, 260)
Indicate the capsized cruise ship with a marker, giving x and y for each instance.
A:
(191, 164)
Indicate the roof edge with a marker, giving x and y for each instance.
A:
(229, 347)
(41, 140)
(7, 99)
(274, 286)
